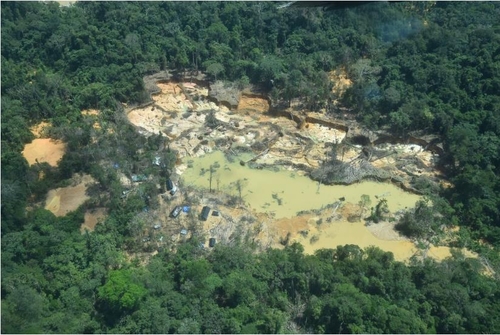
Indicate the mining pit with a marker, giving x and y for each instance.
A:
(260, 184)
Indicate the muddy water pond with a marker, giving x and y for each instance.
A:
(342, 233)
(284, 192)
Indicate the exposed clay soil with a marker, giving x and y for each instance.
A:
(277, 140)
(92, 218)
(39, 129)
(61, 201)
(253, 104)
(44, 150)
(169, 91)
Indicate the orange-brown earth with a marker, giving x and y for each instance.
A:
(39, 129)
(340, 81)
(63, 200)
(253, 104)
(44, 150)
(253, 125)
(92, 218)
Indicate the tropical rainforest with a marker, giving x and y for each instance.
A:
(415, 66)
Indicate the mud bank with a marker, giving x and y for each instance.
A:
(342, 232)
(277, 196)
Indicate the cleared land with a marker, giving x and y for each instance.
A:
(272, 141)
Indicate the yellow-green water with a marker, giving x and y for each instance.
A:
(284, 192)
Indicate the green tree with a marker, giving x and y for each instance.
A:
(379, 212)
(215, 69)
(121, 292)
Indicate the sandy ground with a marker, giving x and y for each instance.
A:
(385, 231)
(254, 125)
(88, 112)
(251, 127)
(169, 91)
(39, 129)
(92, 218)
(64, 200)
(171, 118)
(253, 104)
(320, 133)
(44, 150)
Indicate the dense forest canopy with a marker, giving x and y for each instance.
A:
(432, 68)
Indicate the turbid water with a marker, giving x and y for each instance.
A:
(284, 192)
(342, 233)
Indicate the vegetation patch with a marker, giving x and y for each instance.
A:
(399, 68)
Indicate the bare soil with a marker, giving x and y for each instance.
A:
(274, 140)
(40, 129)
(61, 201)
(385, 231)
(88, 112)
(92, 218)
(44, 150)
(253, 104)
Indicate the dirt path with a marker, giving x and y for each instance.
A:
(66, 199)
